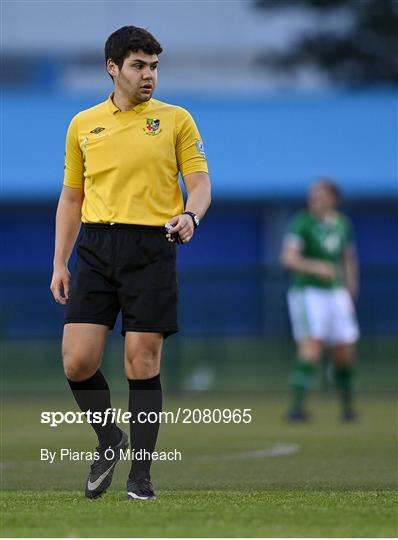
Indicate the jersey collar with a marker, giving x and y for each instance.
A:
(138, 108)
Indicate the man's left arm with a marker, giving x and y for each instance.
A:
(350, 265)
(198, 201)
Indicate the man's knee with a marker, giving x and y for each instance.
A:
(142, 355)
(310, 350)
(143, 363)
(82, 347)
(77, 368)
(343, 354)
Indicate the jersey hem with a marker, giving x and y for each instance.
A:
(317, 286)
(202, 169)
(72, 185)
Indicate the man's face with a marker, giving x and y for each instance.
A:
(320, 200)
(137, 78)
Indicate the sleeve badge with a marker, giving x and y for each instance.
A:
(201, 148)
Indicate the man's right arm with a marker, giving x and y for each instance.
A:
(67, 226)
(292, 259)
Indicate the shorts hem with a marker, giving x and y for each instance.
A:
(168, 331)
(347, 341)
(89, 320)
(329, 341)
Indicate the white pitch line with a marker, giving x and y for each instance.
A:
(278, 450)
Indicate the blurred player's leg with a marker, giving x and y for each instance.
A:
(309, 318)
(308, 355)
(344, 334)
(344, 376)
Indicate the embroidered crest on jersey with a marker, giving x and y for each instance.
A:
(152, 126)
(97, 130)
(201, 148)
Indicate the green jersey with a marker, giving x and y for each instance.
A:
(322, 239)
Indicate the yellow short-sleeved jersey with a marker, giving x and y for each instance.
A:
(128, 162)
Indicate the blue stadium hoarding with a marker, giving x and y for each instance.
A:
(257, 148)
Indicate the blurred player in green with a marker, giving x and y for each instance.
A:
(319, 251)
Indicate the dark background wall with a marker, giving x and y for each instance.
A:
(230, 278)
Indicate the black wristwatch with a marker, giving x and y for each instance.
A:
(194, 217)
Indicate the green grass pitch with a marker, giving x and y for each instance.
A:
(241, 513)
(266, 478)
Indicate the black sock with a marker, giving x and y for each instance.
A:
(344, 379)
(301, 380)
(93, 394)
(145, 395)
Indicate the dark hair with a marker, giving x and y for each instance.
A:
(330, 186)
(130, 39)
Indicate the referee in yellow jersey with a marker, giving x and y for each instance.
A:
(123, 157)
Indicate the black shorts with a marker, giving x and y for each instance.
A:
(131, 268)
